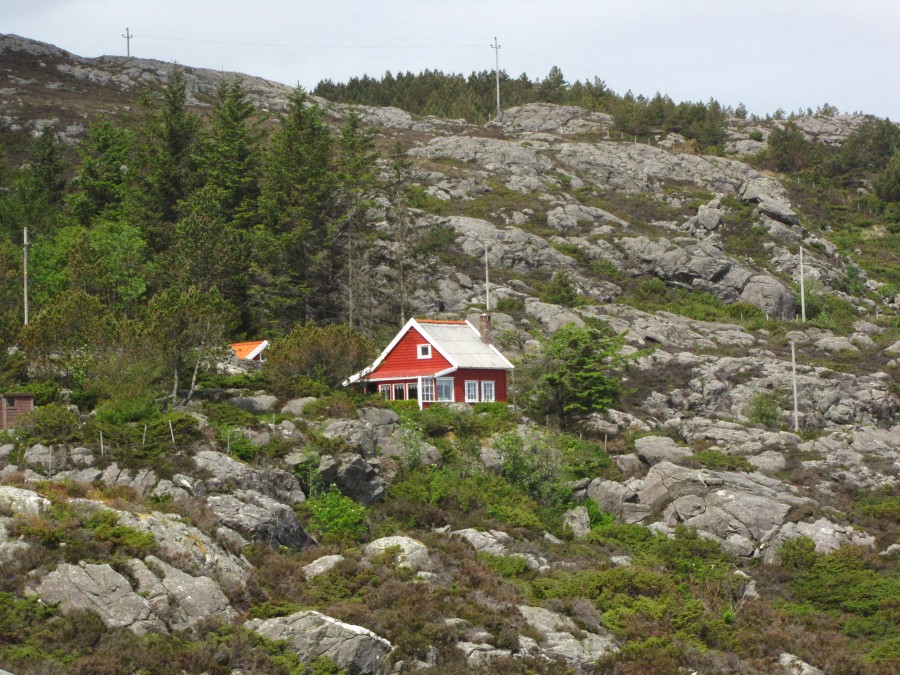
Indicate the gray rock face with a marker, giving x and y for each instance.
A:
(702, 266)
(827, 536)
(413, 553)
(255, 404)
(558, 637)
(190, 548)
(297, 406)
(261, 518)
(45, 459)
(495, 542)
(177, 598)
(358, 478)
(322, 565)
(578, 521)
(479, 654)
(656, 449)
(631, 167)
(555, 118)
(356, 649)
(22, 502)
(357, 434)
(227, 472)
(141, 481)
(794, 665)
(101, 589)
(867, 458)
(741, 511)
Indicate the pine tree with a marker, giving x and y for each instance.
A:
(298, 186)
(168, 166)
(230, 156)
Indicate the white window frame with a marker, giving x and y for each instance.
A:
(471, 391)
(427, 390)
(437, 389)
(385, 389)
(488, 385)
(423, 351)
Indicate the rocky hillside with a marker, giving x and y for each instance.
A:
(691, 527)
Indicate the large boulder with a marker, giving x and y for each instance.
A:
(185, 545)
(225, 473)
(177, 598)
(261, 403)
(412, 554)
(22, 502)
(558, 638)
(261, 518)
(101, 589)
(310, 634)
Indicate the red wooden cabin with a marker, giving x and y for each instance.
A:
(433, 361)
(13, 406)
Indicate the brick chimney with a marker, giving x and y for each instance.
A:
(486, 328)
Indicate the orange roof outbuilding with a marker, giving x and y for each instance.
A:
(249, 351)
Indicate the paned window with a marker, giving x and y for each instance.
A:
(427, 390)
(487, 391)
(445, 389)
(471, 391)
(424, 351)
(385, 391)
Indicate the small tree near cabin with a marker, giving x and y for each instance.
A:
(571, 377)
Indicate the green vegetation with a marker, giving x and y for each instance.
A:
(472, 98)
(653, 295)
(335, 518)
(572, 377)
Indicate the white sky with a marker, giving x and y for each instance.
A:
(768, 54)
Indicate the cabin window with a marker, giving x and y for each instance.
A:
(445, 389)
(412, 392)
(399, 392)
(427, 390)
(471, 391)
(10, 401)
(424, 351)
(385, 391)
(487, 391)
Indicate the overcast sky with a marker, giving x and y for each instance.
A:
(768, 54)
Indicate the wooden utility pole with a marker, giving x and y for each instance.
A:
(496, 48)
(25, 272)
(127, 35)
(794, 378)
(802, 289)
(487, 282)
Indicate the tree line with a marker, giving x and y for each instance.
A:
(473, 98)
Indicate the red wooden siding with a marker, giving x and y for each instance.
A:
(498, 377)
(21, 404)
(403, 361)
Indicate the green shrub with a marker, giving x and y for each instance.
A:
(844, 580)
(510, 305)
(881, 505)
(798, 553)
(105, 527)
(52, 423)
(756, 135)
(312, 359)
(715, 459)
(335, 518)
(561, 290)
(765, 409)
(508, 566)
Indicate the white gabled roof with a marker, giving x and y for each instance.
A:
(461, 343)
(457, 341)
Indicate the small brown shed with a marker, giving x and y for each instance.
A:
(13, 406)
